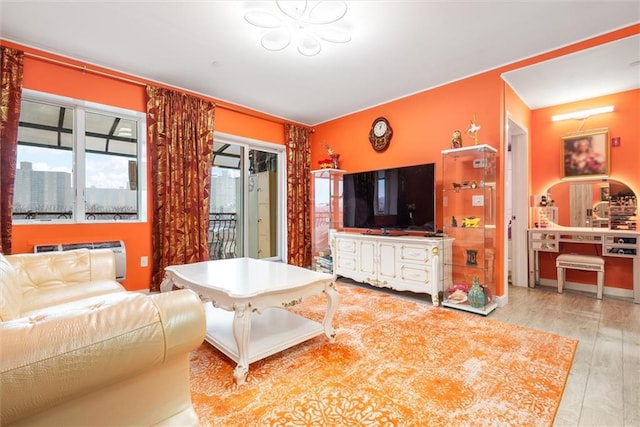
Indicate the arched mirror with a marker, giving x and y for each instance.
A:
(587, 203)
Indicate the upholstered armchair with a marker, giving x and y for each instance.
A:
(77, 349)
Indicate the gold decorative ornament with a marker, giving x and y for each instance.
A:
(473, 130)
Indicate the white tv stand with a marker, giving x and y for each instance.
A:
(399, 262)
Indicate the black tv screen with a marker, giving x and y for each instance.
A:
(400, 198)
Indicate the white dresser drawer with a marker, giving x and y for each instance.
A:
(414, 253)
(346, 246)
(345, 264)
(414, 273)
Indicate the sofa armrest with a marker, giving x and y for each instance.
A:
(184, 325)
(63, 352)
(102, 264)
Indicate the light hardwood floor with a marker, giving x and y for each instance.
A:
(603, 388)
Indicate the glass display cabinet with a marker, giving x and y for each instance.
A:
(468, 209)
(326, 193)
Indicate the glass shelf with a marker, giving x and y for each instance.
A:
(326, 193)
(468, 208)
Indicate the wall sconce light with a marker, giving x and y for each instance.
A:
(582, 114)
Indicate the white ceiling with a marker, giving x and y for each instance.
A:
(398, 48)
(601, 70)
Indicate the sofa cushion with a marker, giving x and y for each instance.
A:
(52, 278)
(39, 270)
(48, 296)
(10, 291)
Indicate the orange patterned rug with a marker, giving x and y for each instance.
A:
(395, 362)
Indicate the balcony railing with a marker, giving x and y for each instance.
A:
(222, 235)
(90, 216)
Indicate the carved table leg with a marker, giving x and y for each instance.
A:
(167, 283)
(332, 305)
(435, 299)
(241, 331)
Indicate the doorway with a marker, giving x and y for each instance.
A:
(516, 204)
(247, 199)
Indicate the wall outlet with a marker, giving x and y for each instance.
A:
(477, 200)
(144, 261)
(479, 163)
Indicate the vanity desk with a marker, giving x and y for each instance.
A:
(606, 242)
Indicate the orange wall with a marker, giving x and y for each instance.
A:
(517, 110)
(422, 127)
(625, 160)
(45, 76)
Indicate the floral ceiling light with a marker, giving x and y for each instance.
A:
(301, 23)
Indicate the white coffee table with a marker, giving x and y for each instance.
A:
(248, 318)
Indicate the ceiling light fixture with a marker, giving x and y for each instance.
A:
(304, 25)
(582, 114)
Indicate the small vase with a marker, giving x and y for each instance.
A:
(476, 296)
(334, 158)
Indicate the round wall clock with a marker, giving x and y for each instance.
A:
(380, 134)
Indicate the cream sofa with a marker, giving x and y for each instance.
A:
(77, 349)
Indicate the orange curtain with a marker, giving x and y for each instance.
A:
(298, 195)
(11, 68)
(180, 141)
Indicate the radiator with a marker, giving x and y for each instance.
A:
(117, 246)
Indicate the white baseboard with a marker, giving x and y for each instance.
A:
(501, 300)
(614, 292)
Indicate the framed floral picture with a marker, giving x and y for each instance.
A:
(585, 155)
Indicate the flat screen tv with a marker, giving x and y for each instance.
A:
(400, 198)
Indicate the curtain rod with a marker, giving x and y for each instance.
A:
(84, 68)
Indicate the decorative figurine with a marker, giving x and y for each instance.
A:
(473, 130)
(456, 139)
(454, 222)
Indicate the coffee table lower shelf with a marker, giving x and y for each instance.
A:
(273, 330)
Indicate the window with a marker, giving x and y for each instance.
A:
(79, 162)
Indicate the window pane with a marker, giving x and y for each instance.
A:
(126, 129)
(224, 190)
(98, 123)
(124, 148)
(111, 188)
(226, 155)
(43, 183)
(95, 144)
(111, 174)
(110, 134)
(45, 114)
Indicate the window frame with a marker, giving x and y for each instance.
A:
(80, 108)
